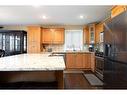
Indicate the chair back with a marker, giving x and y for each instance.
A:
(2, 53)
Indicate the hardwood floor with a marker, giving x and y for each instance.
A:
(72, 80)
(77, 81)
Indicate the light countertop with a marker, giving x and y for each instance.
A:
(32, 62)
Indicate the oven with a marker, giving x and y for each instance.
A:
(99, 66)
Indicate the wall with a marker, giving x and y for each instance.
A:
(54, 47)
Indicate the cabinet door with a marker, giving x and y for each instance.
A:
(70, 60)
(92, 59)
(58, 36)
(87, 61)
(92, 34)
(46, 36)
(86, 35)
(99, 29)
(78, 60)
(34, 39)
(74, 60)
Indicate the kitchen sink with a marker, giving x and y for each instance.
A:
(51, 55)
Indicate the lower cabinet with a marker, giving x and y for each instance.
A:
(70, 60)
(79, 61)
(87, 61)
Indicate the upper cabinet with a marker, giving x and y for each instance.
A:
(116, 10)
(99, 30)
(58, 36)
(86, 35)
(53, 36)
(46, 35)
(34, 39)
(92, 33)
(89, 34)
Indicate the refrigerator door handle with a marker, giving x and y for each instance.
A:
(107, 49)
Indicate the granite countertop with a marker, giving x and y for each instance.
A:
(32, 62)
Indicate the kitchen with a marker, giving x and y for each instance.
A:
(69, 55)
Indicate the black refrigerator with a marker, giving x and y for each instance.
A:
(115, 52)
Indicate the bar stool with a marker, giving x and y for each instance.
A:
(2, 53)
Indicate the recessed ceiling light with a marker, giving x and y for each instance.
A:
(81, 16)
(36, 6)
(44, 17)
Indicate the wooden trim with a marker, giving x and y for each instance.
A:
(60, 79)
(113, 7)
(78, 69)
(118, 5)
(54, 28)
(118, 9)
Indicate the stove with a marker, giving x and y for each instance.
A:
(99, 64)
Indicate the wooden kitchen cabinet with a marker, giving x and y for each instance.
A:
(74, 61)
(92, 33)
(99, 28)
(89, 34)
(87, 61)
(86, 35)
(34, 39)
(53, 36)
(58, 36)
(93, 62)
(116, 10)
(79, 61)
(46, 36)
(70, 60)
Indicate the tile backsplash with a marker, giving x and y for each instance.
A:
(99, 47)
(53, 47)
(59, 48)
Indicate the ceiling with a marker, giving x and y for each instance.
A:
(55, 15)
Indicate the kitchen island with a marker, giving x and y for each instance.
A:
(32, 67)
